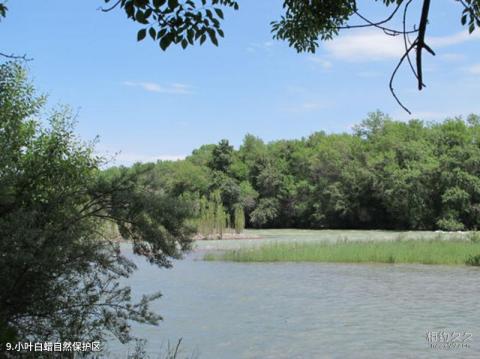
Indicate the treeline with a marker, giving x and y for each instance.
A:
(385, 174)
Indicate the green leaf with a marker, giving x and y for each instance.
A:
(166, 41)
(213, 36)
(161, 33)
(158, 3)
(153, 33)
(141, 3)
(219, 13)
(190, 36)
(172, 4)
(140, 17)
(141, 34)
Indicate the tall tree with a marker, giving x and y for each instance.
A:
(222, 156)
(60, 268)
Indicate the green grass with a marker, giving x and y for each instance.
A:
(450, 252)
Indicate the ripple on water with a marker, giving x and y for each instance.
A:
(288, 310)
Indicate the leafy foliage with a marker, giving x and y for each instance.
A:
(60, 269)
(239, 218)
(387, 174)
(3, 10)
(221, 156)
(173, 22)
(471, 14)
(211, 216)
(302, 25)
(304, 22)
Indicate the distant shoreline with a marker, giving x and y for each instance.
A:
(226, 236)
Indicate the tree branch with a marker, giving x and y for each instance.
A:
(421, 42)
(405, 55)
(388, 31)
(111, 7)
(406, 40)
(15, 57)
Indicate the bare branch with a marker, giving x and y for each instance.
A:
(421, 41)
(406, 40)
(404, 56)
(388, 31)
(15, 57)
(111, 7)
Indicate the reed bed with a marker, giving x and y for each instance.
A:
(433, 251)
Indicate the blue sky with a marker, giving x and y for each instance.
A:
(148, 104)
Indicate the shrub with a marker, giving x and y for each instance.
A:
(450, 225)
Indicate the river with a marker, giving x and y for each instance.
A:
(311, 310)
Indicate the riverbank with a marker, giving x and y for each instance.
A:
(225, 236)
(253, 238)
(421, 251)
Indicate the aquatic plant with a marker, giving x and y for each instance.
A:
(451, 252)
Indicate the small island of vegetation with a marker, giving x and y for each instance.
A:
(412, 251)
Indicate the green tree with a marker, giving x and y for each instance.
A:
(265, 213)
(60, 270)
(222, 157)
(175, 22)
(458, 179)
(239, 217)
(386, 174)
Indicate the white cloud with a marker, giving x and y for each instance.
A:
(365, 46)
(174, 88)
(453, 57)
(324, 64)
(372, 45)
(264, 46)
(307, 106)
(455, 39)
(369, 74)
(474, 69)
(294, 89)
(312, 105)
(131, 158)
(170, 157)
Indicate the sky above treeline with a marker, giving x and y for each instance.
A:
(146, 104)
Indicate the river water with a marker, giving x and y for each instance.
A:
(311, 310)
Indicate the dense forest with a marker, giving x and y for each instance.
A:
(385, 174)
